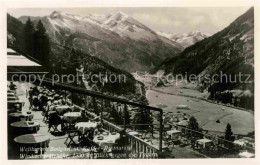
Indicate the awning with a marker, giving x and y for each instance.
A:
(22, 64)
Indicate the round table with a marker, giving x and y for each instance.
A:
(50, 112)
(62, 108)
(19, 115)
(10, 95)
(108, 140)
(12, 98)
(83, 127)
(25, 126)
(71, 116)
(133, 133)
(38, 141)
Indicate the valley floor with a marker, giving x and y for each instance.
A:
(242, 122)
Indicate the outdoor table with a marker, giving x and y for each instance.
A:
(26, 126)
(240, 142)
(60, 109)
(37, 141)
(83, 127)
(10, 95)
(204, 142)
(246, 154)
(19, 115)
(10, 91)
(50, 112)
(12, 98)
(108, 140)
(174, 133)
(71, 117)
(14, 105)
(133, 133)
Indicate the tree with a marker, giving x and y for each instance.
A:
(41, 44)
(143, 116)
(193, 125)
(116, 116)
(28, 37)
(228, 135)
(126, 115)
(95, 106)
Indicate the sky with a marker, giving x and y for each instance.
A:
(174, 20)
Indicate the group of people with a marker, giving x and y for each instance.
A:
(46, 100)
(42, 98)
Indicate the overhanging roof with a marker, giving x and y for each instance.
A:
(18, 62)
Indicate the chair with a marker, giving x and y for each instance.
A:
(54, 128)
(54, 121)
(45, 116)
(71, 135)
(168, 141)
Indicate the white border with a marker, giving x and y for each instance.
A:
(122, 3)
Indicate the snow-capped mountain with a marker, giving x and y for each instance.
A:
(122, 24)
(185, 39)
(115, 38)
(230, 51)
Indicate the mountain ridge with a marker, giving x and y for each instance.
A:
(185, 39)
(230, 50)
(120, 40)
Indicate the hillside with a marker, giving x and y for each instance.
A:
(65, 60)
(231, 51)
(116, 38)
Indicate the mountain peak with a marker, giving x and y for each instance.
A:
(119, 16)
(185, 39)
(55, 14)
(120, 13)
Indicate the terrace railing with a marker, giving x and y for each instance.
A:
(141, 148)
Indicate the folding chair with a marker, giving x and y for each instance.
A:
(71, 135)
(54, 128)
(45, 117)
(168, 141)
(54, 121)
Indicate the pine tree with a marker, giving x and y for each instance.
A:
(127, 115)
(41, 44)
(193, 125)
(143, 116)
(116, 116)
(28, 37)
(228, 135)
(95, 106)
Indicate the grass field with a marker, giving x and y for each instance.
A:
(242, 122)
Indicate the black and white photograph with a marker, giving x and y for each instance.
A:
(173, 82)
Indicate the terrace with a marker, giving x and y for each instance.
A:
(67, 140)
(140, 147)
(74, 122)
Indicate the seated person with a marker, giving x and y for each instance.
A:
(88, 141)
(54, 119)
(99, 129)
(56, 97)
(90, 134)
(35, 91)
(12, 86)
(84, 118)
(35, 102)
(62, 101)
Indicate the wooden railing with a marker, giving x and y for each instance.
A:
(140, 148)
